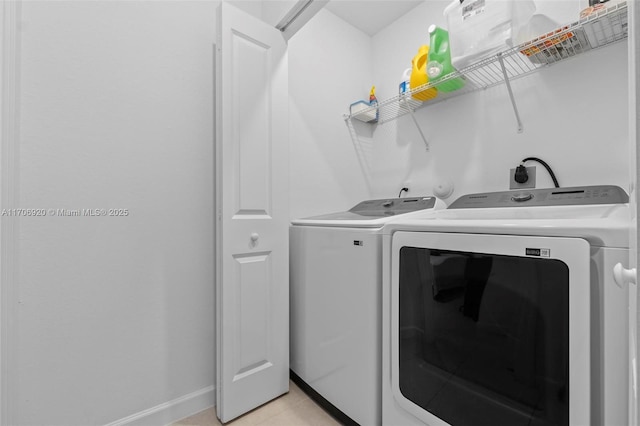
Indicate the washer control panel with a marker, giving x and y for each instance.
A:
(578, 195)
(393, 206)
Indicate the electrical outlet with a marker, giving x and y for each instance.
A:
(530, 183)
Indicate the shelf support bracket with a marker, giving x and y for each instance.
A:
(508, 84)
(361, 150)
(413, 117)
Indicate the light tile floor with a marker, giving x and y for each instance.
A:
(292, 409)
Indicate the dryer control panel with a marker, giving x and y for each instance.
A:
(578, 195)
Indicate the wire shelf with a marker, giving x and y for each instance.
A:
(599, 29)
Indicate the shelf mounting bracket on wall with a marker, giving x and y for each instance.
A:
(508, 84)
(362, 150)
(424, 139)
(413, 117)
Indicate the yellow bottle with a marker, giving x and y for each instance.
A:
(419, 75)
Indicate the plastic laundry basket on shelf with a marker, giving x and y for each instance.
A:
(482, 28)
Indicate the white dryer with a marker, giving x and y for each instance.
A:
(335, 304)
(503, 309)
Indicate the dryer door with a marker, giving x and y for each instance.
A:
(491, 329)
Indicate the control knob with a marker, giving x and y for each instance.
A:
(522, 197)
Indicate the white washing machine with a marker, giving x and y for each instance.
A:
(335, 303)
(503, 309)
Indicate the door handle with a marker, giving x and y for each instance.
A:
(254, 236)
(624, 276)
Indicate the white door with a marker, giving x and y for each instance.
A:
(252, 288)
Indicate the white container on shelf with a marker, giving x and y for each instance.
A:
(482, 28)
(405, 84)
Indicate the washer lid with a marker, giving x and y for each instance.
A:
(370, 213)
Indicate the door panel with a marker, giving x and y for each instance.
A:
(251, 80)
(252, 290)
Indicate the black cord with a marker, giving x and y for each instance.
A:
(405, 189)
(546, 166)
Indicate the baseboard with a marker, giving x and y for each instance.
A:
(171, 411)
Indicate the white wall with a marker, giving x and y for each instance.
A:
(252, 7)
(329, 67)
(577, 125)
(572, 120)
(115, 314)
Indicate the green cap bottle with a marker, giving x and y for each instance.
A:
(439, 61)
